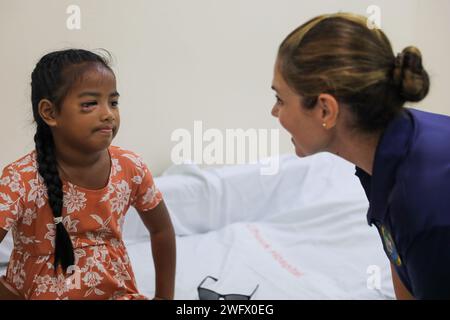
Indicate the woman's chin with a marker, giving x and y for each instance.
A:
(299, 152)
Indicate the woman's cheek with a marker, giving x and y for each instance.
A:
(284, 121)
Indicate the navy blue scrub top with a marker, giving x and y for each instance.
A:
(409, 200)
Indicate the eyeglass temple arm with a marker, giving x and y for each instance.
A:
(257, 286)
(205, 280)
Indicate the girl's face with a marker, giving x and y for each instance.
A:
(89, 119)
(304, 125)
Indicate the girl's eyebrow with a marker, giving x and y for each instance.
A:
(89, 93)
(97, 94)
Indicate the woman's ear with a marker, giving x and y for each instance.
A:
(47, 111)
(328, 108)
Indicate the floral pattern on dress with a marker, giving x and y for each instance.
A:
(74, 200)
(38, 192)
(121, 197)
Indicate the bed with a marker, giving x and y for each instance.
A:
(299, 234)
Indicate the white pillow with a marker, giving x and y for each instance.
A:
(188, 193)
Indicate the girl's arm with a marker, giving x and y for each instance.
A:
(6, 291)
(3, 234)
(162, 236)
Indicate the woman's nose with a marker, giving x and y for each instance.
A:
(275, 111)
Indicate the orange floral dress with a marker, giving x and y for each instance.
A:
(94, 220)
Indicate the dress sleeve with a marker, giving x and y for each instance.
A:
(428, 264)
(147, 196)
(11, 194)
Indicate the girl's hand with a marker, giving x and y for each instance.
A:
(159, 298)
(7, 292)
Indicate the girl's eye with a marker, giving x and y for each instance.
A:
(115, 103)
(89, 104)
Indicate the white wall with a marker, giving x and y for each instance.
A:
(178, 61)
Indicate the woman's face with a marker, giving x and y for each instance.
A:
(305, 126)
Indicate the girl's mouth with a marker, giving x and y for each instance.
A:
(105, 131)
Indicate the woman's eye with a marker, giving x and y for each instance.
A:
(279, 101)
(115, 103)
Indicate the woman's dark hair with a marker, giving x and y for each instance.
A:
(341, 55)
(51, 79)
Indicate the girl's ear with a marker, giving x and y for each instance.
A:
(329, 110)
(47, 111)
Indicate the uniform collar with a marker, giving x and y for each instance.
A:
(391, 150)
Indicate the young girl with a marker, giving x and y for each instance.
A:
(341, 89)
(66, 201)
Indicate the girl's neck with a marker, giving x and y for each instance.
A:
(87, 170)
(68, 156)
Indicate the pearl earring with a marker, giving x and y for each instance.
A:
(324, 125)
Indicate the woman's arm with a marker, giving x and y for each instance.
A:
(163, 245)
(401, 292)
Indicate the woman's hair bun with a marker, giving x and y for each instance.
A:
(410, 76)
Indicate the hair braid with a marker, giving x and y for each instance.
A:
(47, 167)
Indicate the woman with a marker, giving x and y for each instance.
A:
(341, 89)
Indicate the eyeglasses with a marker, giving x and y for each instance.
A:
(207, 294)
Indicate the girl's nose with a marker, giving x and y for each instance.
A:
(107, 113)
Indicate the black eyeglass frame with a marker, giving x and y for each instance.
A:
(224, 296)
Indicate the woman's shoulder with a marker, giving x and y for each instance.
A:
(425, 172)
(431, 131)
(428, 155)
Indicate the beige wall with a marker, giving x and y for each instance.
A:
(432, 30)
(178, 61)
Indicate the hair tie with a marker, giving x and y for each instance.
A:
(398, 66)
(399, 59)
(57, 220)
